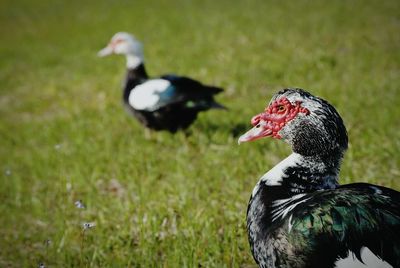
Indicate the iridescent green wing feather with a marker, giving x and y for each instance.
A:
(351, 217)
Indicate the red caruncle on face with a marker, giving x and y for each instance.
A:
(277, 114)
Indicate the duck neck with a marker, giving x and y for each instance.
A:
(134, 77)
(133, 61)
(298, 174)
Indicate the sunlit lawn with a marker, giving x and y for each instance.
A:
(174, 200)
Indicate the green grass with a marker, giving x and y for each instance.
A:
(174, 201)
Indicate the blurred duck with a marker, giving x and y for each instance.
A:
(298, 214)
(169, 102)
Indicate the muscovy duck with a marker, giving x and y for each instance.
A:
(298, 214)
(169, 102)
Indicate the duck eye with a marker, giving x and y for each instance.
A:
(281, 108)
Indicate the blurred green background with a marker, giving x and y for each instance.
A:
(174, 200)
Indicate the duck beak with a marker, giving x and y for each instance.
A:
(108, 50)
(255, 133)
(261, 129)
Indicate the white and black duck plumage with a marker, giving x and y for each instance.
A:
(169, 102)
(298, 214)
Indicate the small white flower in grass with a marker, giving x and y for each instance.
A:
(68, 186)
(47, 242)
(88, 225)
(7, 172)
(79, 204)
(41, 265)
(144, 219)
(57, 147)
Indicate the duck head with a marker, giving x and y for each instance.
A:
(309, 124)
(123, 43)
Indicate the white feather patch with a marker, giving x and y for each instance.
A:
(274, 176)
(370, 261)
(151, 95)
